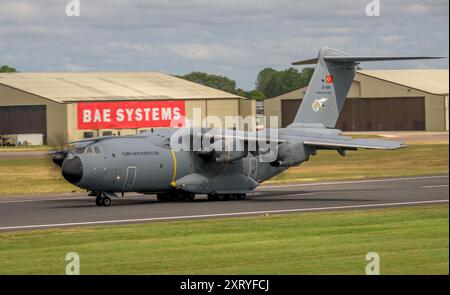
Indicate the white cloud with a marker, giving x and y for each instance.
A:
(204, 52)
(391, 38)
(18, 10)
(70, 67)
(417, 9)
(132, 46)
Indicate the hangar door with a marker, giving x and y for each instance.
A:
(371, 114)
(23, 119)
(289, 108)
(383, 114)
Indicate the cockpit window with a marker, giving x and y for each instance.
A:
(79, 150)
(97, 150)
(89, 150)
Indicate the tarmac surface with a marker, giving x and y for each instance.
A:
(51, 211)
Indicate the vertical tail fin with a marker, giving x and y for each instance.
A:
(330, 84)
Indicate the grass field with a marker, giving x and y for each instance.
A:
(411, 240)
(29, 148)
(32, 176)
(40, 175)
(424, 159)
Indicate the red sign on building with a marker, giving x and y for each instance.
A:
(131, 114)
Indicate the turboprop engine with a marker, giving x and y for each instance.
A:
(226, 151)
(291, 154)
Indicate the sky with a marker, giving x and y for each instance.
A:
(236, 38)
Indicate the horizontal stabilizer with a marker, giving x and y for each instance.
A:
(306, 62)
(356, 59)
(356, 143)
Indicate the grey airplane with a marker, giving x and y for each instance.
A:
(147, 163)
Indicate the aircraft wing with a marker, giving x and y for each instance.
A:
(338, 142)
(355, 143)
(243, 136)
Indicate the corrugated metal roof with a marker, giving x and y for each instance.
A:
(432, 81)
(69, 87)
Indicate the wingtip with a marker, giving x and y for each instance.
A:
(305, 62)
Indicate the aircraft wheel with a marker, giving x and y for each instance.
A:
(241, 196)
(212, 197)
(174, 197)
(162, 197)
(106, 201)
(189, 197)
(222, 197)
(99, 201)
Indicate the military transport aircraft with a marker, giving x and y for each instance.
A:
(148, 163)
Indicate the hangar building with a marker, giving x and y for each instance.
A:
(71, 106)
(382, 100)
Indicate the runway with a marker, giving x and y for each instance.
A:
(40, 212)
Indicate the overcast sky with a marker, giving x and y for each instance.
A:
(236, 38)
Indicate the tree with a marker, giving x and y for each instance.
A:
(291, 79)
(274, 86)
(256, 95)
(306, 76)
(264, 78)
(7, 69)
(273, 83)
(214, 81)
(242, 92)
(269, 83)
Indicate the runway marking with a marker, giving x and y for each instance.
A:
(435, 186)
(219, 215)
(354, 181)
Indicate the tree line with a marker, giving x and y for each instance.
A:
(269, 82)
(7, 69)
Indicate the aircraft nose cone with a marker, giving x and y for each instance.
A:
(72, 170)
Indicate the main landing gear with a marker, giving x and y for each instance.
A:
(103, 199)
(186, 196)
(175, 197)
